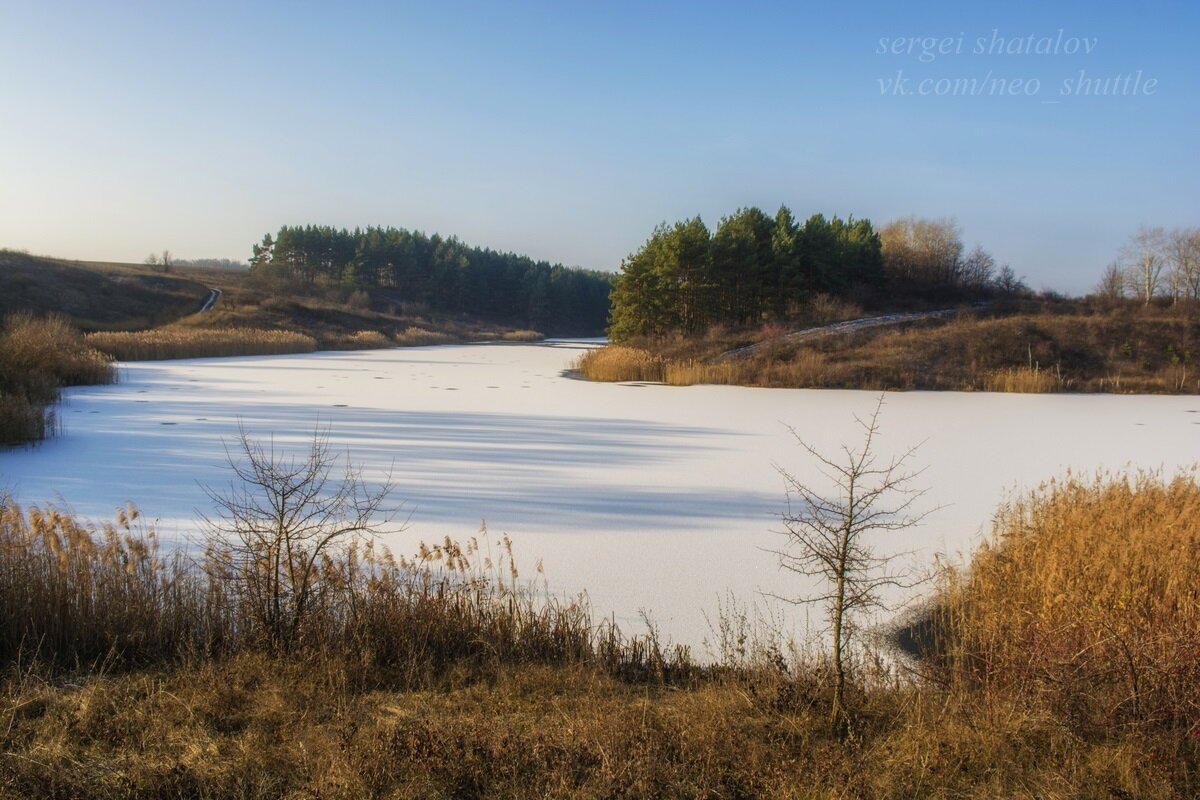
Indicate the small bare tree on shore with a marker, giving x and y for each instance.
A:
(828, 536)
(278, 523)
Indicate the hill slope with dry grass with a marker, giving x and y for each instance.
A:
(1025, 347)
(96, 296)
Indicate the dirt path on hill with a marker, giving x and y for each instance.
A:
(211, 301)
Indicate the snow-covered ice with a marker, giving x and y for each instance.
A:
(649, 497)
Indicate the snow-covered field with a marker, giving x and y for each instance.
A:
(650, 497)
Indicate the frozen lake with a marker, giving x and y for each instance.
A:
(649, 497)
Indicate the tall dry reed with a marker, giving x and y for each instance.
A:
(178, 342)
(619, 363)
(415, 336)
(74, 595)
(39, 356)
(1087, 601)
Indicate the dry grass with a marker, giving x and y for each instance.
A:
(37, 358)
(72, 595)
(133, 675)
(414, 336)
(1121, 350)
(521, 335)
(178, 342)
(1086, 603)
(1029, 380)
(96, 296)
(618, 363)
(687, 373)
(362, 340)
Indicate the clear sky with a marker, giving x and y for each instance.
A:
(567, 130)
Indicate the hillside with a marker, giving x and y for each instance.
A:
(96, 295)
(124, 304)
(1021, 346)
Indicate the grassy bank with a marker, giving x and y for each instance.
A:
(38, 357)
(1072, 348)
(1061, 665)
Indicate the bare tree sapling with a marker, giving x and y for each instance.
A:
(830, 536)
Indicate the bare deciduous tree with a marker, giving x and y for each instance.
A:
(1144, 262)
(1007, 282)
(828, 537)
(1183, 256)
(1112, 283)
(923, 250)
(978, 268)
(278, 523)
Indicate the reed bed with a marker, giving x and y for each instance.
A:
(1029, 380)
(688, 373)
(180, 342)
(1085, 602)
(522, 335)
(415, 336)
(39, 356)
(618, 363)
(361, 340)
(76, 596)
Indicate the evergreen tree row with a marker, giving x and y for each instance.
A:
(753, 267)
(440, 274)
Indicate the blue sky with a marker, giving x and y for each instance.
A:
(568, 130)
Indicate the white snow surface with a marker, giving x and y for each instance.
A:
(651, 498)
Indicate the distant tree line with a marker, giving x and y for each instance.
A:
(438, 274)
(755, 267)
(165, 260)
(210, 263)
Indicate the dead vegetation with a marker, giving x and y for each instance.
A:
(1124, 349)
(38, 357)
(175, 342)
(1061, 664)
(1086, 600)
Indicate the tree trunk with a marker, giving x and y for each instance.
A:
(837, 711)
